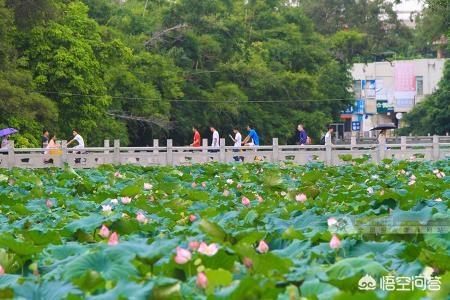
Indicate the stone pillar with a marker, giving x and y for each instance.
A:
(205, 145)
(275, 150)
(352, 142)
(169, 153)
(328, 153)
(403, 143)
(435, 154)
(64, 153)
(155, 146)
(106, 145)
(11, 155)
(116, 157)
(222, 156)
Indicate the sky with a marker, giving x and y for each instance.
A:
(406, 6)
(409, 5)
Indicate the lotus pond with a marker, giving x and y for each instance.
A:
(215, 231)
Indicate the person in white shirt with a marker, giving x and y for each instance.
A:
(328, 135)
(237, 142)
(78, 138)
(215, 139)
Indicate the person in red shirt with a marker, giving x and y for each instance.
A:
(197, 138)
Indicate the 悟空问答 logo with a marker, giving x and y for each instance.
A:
(367, 283)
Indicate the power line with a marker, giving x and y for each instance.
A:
(192, 100)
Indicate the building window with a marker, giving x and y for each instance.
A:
(357, 88)
(419, 85)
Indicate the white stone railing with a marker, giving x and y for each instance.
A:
(174, 156)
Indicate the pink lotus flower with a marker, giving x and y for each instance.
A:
(226, 193)
(260, 199)
(183, 256)
(332, 221)
(202, 281)
(194, 245)
(140, 217)
(335, 242)
(203, 184)
(239, 186)
(2, 271)
(118, 175)
(300, 198)
(411, 182)
(230, 181)
(192, 218)
(114, 201)
(440, 175)
(193, 185)
(247, 262)
(245, 201)
(147, 186)
(412, 177)
(113, 239)
(125, 200)
(104, 232)
(106, 208)
(48, 203)
(208, 250)
(262, 247)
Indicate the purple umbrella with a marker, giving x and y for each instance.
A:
(7, 131)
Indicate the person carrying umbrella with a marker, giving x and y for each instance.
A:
(4, 133)
(5, 142)
(383, 129)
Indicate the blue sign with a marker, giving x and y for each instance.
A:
(359, 106)
(356, 125)
(348, 111)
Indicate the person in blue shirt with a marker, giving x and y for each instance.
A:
(302, 136)
(252, 138)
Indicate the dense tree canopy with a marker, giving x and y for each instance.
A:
(97, 65)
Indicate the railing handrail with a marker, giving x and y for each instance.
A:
(172, 155)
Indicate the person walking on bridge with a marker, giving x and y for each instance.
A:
(215, 144)
(302, 136)
(197, 138)
(252, 138)
(237, 139)
(77, 137)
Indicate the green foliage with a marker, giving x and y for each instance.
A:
(379, 28)
(95, 59)
(93, 64)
